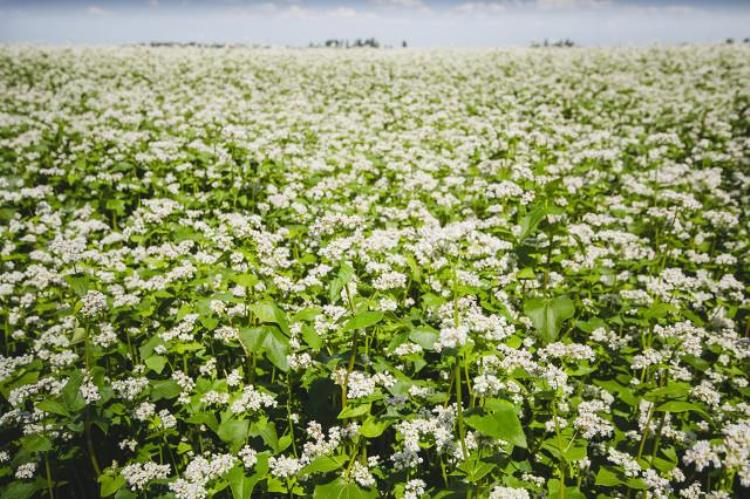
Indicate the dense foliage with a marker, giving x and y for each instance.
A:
(506, 274)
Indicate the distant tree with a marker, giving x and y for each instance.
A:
(336, 43)
(565, 43)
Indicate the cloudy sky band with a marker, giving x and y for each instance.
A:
(421, 22)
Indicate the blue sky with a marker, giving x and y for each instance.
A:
(422, 23)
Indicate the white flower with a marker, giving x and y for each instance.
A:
(184, 489)
(248, 456)
(226, 334)
(144, 411)
(389, 280)
(94, 303)
(202, 469)
(500, 492)
(251, 400)
(138, 475)
(26, 471)
(129, 388)
(452, 337)
(167, 419)
(89, 391)
(414, 488)
(361, 474)
(284, 466)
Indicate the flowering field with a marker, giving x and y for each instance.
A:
(360, 274)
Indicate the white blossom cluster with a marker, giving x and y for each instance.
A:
(138, 475)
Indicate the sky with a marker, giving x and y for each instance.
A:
(421, 23)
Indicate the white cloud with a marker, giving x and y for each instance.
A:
(481, 8)
(413, 5)
(400, 3)
(342, 12)
(571, 4)
(298, 12)
(95, 10)
(665, 9)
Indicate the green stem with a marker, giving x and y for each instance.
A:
(459, 409)
(169, 451)
(468, 381)
(50, 488)
(349, 369)
(450, 387)
(289, 412)
(561, 468)
(350, 366)
(442, 471)
(645, 431)
(7, 335)
(90, 446)
(457, 369)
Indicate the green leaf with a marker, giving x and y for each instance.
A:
(71, 393)
(79, 284)
(284, 442)
(502, 423)
(425, 337)
(606, 477)
(476, 470)
(268, 340)
(354, 411)
(22, 490)
(526, 273)
(233, 431)
(659, 310)
(125, 493)
(242, 486)
(636, 483)
(251, 338)
(682, 406)
(164, 389)
(363, 320)
(52, 407)
(346, 272)
(269, 312)
(673, 390)
(341, 489)
(548, 314)
(204, 418)
(267, 431)
(116, 205)
(36, 443)
(245, 280)
(311, 337)
(373, 428)
(307, 314)
(147, 349)
(324, 464)
(209, 322)
(193, 346)
(276, 347)
(156, 363)
(531, 221)
(79, 335)
(110, 484)
(553, 487)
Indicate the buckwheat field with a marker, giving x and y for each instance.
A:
(240, 273)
